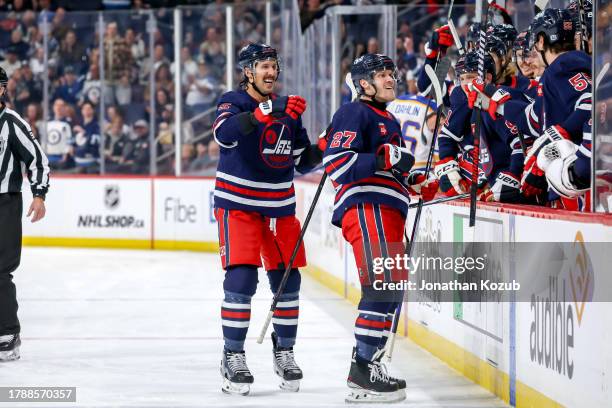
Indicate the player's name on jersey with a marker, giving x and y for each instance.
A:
(453, 285)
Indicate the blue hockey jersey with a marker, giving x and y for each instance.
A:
(256, 170)
(358, 129)
(563, 92)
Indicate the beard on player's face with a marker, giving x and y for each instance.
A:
(264, 75)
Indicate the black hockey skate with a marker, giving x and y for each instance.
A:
(237, 378)
(9, 347)
(378, 357)
(285, 366)
(369, 383)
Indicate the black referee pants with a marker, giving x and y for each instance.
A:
(11, 208)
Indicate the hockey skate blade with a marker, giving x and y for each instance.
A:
(235, 388)
(290, 385)
(10, 355)
(360, 395)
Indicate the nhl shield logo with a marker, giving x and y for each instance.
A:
(111, 196)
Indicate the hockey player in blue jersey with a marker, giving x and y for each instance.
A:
(501, 155)
(564, 94)
(262, 141)
(368, 164)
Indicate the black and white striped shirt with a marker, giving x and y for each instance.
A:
(20, 153)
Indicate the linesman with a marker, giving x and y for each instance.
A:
(19, 153)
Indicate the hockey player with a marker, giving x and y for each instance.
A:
(501, 156)
(262, 141)
(417, 118)
(367, 162)
(564, 94)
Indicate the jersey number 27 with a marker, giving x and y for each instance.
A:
(338, 136)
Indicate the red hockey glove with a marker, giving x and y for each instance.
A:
(533, 182)
(389, 157)
(419, 184)
(324, 139)
(441, 39)
(291, 105)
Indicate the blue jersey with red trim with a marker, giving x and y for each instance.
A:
(358, 129)
(500, 146)
(256, 170)
(563, 93)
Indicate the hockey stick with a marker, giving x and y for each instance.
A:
(584, 41)
(540, 5)
(283, 282)
(476, 127)
(419, 206)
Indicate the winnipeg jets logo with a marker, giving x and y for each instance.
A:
(276, 146)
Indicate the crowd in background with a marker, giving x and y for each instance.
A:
(75, 59)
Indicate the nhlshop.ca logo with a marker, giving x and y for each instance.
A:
(112, 201)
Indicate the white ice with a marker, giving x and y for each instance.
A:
(142, 329)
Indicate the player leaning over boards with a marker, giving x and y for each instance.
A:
(262, 141)
(369, 166)
(18, 150)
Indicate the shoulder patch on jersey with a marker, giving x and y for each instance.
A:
(225, 106)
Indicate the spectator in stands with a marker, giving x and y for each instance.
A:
(87, 141)
(213, 52)
(91, 86)
(123, 92)
(201, 91)
(72, 53)
(59, 26)
(115, 118)
(188, 66)
(163, 108)
(11, 63)
(159, 57)
(135, 154)
(37, 62)
(19, 47)
(373, 47)
(117, 59)
(59, 137)
(163, 79)
(33, 117)
(115, 139)
(136, 45)
(70, 86)
(188, 153)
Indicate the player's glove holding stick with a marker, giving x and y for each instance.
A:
(492, 98)
(441, 39)
(392, 157)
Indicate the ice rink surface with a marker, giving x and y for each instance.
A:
(142, 329)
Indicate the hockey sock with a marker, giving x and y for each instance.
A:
(239, 286)
(285, 319)
(369, 327)
(386, 330)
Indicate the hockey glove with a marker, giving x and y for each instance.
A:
(420, 185)
(291, 105)
(451, 183)
(552, 134)
(506, 189)
(533, 182)
(441, 39)
(323, 139)
(557, 161)
(493, 97)
(389, 157)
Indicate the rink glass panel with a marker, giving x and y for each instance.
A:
(602, 119)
